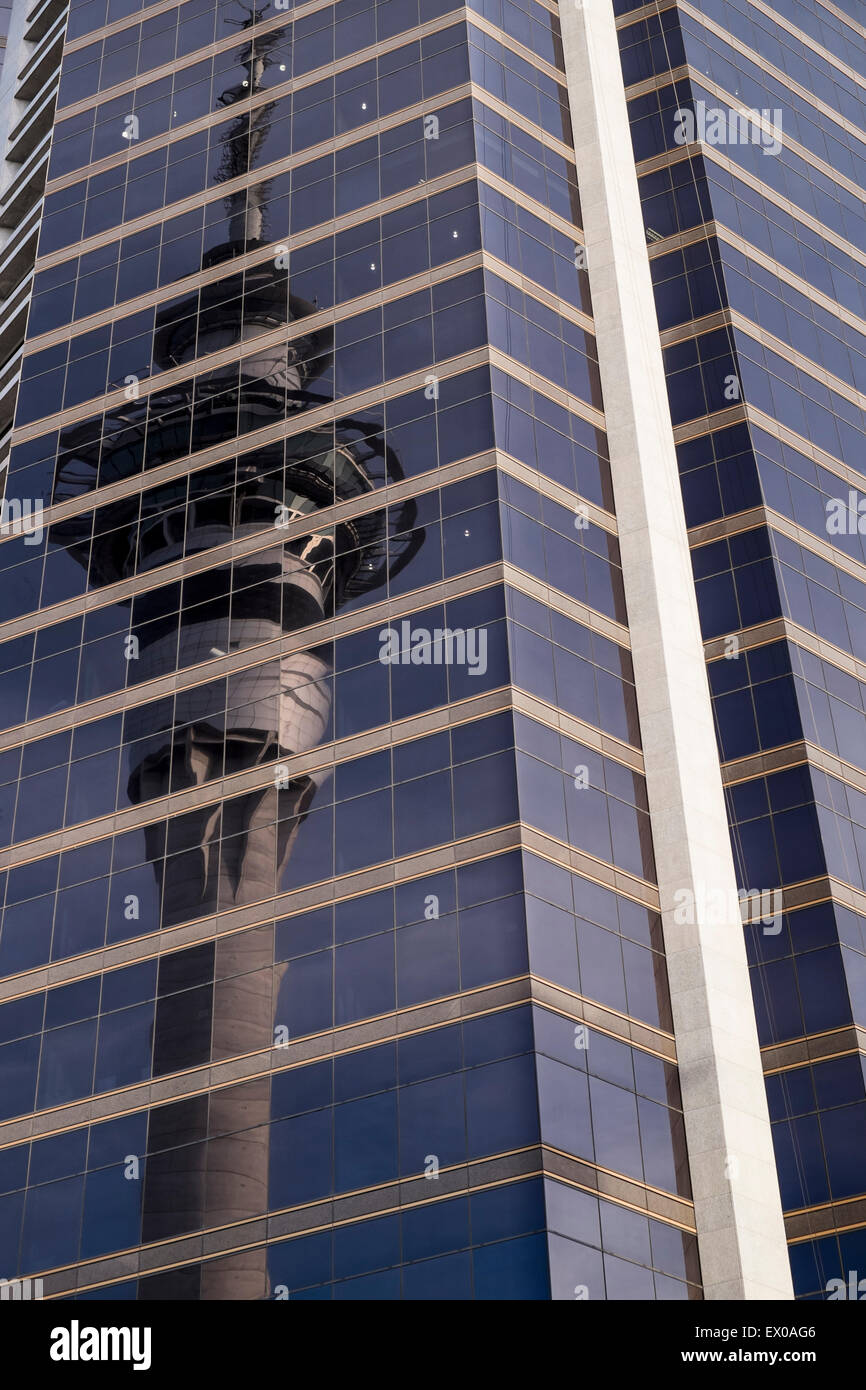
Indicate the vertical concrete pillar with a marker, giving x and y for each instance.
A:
(738, 1210)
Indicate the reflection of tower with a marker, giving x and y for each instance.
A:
(232, 853)
(243, 139)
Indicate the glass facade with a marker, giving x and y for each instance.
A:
(755, 234)
(332, 959)
(331, 952)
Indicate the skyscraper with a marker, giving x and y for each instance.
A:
(428, 666)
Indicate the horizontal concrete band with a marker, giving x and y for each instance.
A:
(326, 756)
(687, 70)
(759, 119)
(334, 1042)
(737, 524)
(808, 41)
(468, 1178)
(708, 231)
(300, 328)
(151, 11)
(812, 1048)
(474, 581)
(134, 697)
(261, 174)
(716, 155)
(211, 119)
(654, 8)
(148, 12)
(733, 319)
(266, 537)
(828, 1219)
(332, 890)
(784, 630)
(185, 377)
(796, 754)
(460, 14)
(331, 227)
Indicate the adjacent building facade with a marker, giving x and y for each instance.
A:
(755, 237)
(420, 651)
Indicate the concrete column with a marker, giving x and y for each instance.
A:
(741, 1234)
